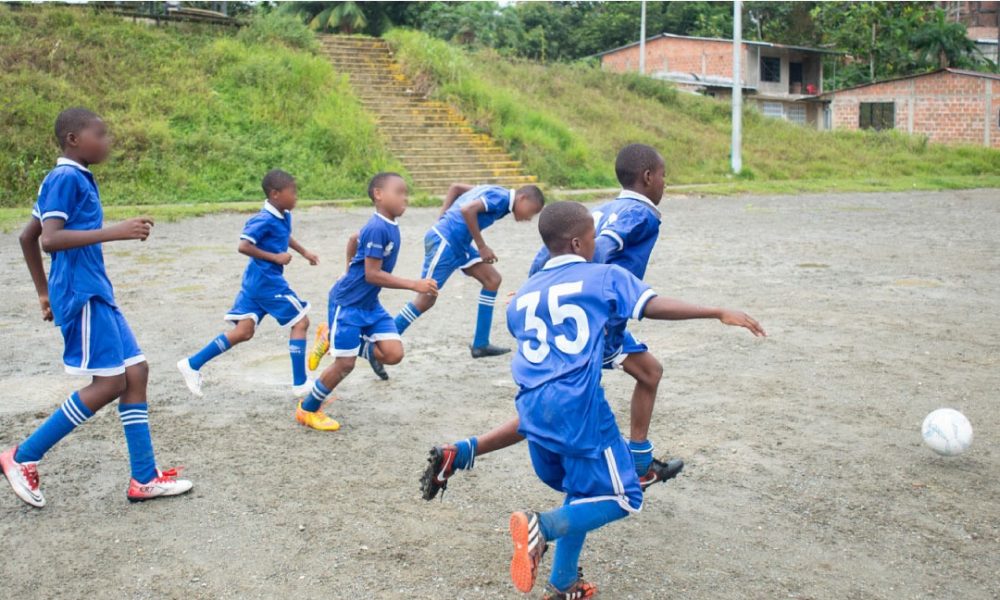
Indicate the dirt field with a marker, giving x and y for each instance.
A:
(806, 474)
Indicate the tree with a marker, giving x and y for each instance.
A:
(346, 17)
(944, 43)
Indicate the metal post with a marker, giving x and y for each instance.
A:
(642, 40)
(736, 154)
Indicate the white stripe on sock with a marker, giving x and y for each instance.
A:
(69, 415)
(74, 410)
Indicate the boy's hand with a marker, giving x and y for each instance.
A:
(426, 286)
(138, 228)
(488, 255)
(311, 257)
(46, 308)
(283, 258)
(741, 319)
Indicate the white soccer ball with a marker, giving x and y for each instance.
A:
(947, 432)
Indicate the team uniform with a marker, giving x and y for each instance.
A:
(355, 314)
(264, 290)
(98, 339)
(627, 229)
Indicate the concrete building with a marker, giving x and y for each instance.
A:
(775, 77)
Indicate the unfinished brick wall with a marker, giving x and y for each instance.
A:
(948, 108)
(703, 57)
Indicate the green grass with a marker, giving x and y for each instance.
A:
(566, 122)
(197, 114)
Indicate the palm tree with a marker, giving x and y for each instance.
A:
(345, 17)
(942, 42)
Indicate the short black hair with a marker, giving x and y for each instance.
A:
(72, 120)
(275, 181)
(378, 181)
(634, 160)
(562, 221)
(533, 193)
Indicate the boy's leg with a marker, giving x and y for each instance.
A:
(381, 343)
(297, 352)
(462, 454)
(490, 278)
(290, 311)
(439, 265)
(642, 366)
(245, 315)
(345, 342)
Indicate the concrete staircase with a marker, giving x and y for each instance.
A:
(432, 140)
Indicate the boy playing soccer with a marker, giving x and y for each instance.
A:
(266, 238)
(628, 228)
(68, 221)
(559, 318)
(358, 323)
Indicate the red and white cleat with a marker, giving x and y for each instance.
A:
(163, 485)
(23, 478)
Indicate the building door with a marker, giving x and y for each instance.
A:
(794, 78)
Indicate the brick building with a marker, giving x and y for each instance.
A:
(775, 77)
(949, 106)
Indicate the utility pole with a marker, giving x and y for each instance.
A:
(736, 153)
(642, 40)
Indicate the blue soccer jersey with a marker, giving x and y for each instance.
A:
(498, 202)
(379, 238)
(269, 230)
(627, 229)
(77, 275)
(558, 318)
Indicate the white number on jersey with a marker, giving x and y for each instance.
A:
(559, 313)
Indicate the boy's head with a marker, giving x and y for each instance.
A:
(567, 228)
(82, 136)
(528, 202)
(640, 168)
(389, 193)
(280, 189)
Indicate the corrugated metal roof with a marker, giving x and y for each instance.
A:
(914, 76)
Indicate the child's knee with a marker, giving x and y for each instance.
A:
(243, 332)
(113, 387)
(392, 354)
(345, 364)
(301, 327)
(492, 280)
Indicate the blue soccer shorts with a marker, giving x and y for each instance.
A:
(99, 342)
(610, 477)
(286, 308)
(350, 326)
(617, 347)
(441, 258)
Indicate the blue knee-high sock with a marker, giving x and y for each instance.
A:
(71, 414)
(465, 458)
(315, 399)
(642, 455)
(297, 350)
(135, 422)
(214, 348)
(484, 318)
(406, 317)
(570, 525)
(566, 561)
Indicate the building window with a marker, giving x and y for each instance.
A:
(772, 109)
(770, 68)
(877, 115)
(796, 113)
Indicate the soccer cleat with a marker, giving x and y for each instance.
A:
(315, 420)
(661, 471)
(488, 350)
(320, 347)
(191, 377)
(529, 546)
(165, 484)
(301, 391)
(368, 353)
(440, 466)
(23, 478)
(578, 591)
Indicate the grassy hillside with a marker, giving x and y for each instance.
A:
(566, 123)
(197, 114)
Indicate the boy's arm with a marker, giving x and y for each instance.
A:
(55, 237)
(352, 248)
(454, 191)
(295, 245)
(470, 213)
(33, 257)
(376, 276)
(669, 309)
(248, 248)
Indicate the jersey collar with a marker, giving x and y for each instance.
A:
(512, 195)
(386, 219)
(562, 259)
(273, 210)
(63, 161)
(637, 196)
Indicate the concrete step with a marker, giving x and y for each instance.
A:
(460, 162)
(474, 173)
(441, 185)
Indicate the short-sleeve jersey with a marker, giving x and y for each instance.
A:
(269, 230)
(379, 238)
(497, 201)
(69, 193)
(558, 318)
(631, 225)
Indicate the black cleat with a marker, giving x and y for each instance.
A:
(368, 352)
(440, 466)
(661, 470)
(488, 350)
